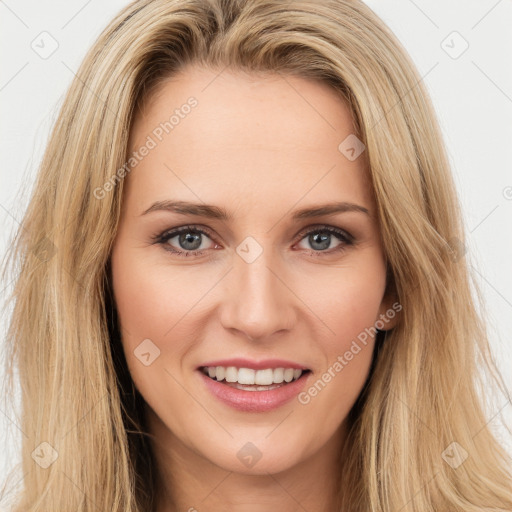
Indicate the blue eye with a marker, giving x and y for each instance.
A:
(320, 238)
(190, 239)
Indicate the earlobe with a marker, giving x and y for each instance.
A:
(389, 313)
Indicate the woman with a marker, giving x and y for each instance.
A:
(243, 272)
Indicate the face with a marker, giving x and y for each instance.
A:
(253, 272)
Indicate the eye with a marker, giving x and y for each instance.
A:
(189, 241)
(321, 238)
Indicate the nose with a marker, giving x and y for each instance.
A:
(257, 300)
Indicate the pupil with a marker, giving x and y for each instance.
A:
(187, 238)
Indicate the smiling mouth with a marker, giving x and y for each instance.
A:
(244, 379)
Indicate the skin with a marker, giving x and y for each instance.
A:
(260, 146)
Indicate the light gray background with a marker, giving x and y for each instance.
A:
(472, 94)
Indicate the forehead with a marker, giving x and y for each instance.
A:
(268, 137)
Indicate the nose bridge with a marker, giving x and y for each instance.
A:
(257, 302)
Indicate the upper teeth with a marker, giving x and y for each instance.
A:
(249, 376)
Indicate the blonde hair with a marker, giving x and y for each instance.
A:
(426, 390)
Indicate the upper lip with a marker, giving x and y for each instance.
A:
(240, 362)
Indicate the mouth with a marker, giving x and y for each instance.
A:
(248, 379)
(254, 390)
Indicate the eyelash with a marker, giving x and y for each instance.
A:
(344, 237)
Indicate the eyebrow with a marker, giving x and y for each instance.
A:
(216, 212)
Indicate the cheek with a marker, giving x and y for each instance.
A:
(152, 304)
(345, 299)
(163, 304)
(355, 308)
(150, 298)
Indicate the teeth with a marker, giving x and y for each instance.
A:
(219, 372)
(231, 374)
(248, 376)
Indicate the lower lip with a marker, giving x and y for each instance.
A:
(255, 401)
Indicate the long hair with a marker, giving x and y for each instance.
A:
(423, 406)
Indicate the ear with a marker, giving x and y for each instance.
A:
(390, 307)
